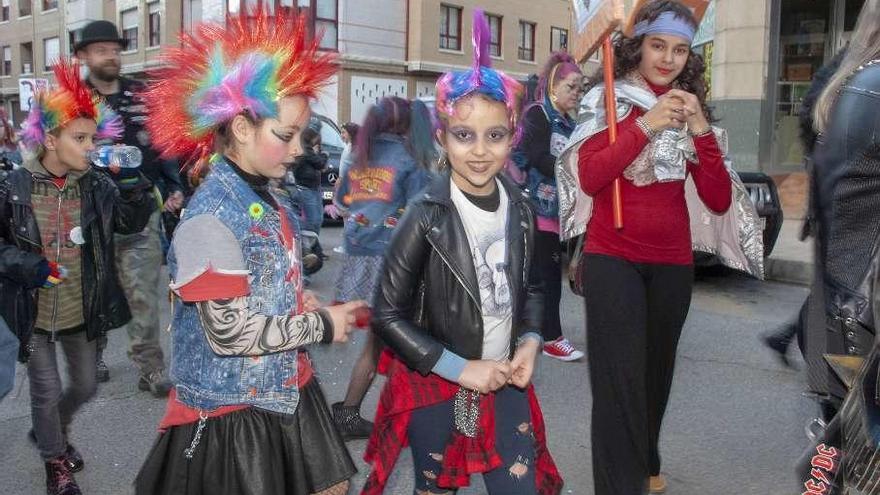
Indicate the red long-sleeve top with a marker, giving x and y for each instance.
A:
(656, 225)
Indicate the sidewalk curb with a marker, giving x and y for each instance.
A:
(788, 271)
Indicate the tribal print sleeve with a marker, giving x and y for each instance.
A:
(233, 330)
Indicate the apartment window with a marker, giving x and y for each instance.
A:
(192, 14)
(50, 4)
(494, 34)
(27, 57)
(24, 8)
(153, 22)
(130, 28)
(6, 70)
(327, 22)
(450, 27)
(4, 10)
(74, 37)
(558, 39)
(51, 52)
(526, 41)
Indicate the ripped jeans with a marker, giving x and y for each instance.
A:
(431, 427)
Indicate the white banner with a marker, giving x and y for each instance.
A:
(27, 87)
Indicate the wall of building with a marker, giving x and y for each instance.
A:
(739, 75)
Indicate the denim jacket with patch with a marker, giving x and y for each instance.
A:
(204, 379)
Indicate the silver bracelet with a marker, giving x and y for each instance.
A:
(650, 133)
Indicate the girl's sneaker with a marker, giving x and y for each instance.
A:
(562, 350)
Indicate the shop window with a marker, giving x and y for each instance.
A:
(803, 39)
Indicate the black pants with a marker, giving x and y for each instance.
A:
(548, 260)
(635, 313)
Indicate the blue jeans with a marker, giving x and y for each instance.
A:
(430, 429)
(312, 206)
(8, 357)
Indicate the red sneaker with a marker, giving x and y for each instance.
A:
(562, 350)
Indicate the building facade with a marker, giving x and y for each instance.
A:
(34, 33)
(387, 47)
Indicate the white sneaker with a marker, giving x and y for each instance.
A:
(562, 350)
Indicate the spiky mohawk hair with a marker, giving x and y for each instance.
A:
(481, 79)
(219, 72)
(72, 99)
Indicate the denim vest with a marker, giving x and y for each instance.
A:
(203, 379)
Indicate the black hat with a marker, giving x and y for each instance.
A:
(97, 31)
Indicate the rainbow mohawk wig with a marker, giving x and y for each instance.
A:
(219, 72)
(481, 78)
(71, 100)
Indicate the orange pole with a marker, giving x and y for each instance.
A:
(611, 116)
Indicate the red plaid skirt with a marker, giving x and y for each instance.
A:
(407, 390)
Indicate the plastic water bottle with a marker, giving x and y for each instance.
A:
(116, 156)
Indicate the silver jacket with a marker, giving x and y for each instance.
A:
(735, 237)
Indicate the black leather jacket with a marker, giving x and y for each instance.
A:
(430, 298)
(847, 198)
(104, 211)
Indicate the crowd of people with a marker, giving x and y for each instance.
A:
(452, 256)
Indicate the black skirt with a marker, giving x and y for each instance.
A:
(252, 452)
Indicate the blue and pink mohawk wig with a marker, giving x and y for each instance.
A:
(480, 79)
(70, 100)
(219, 72)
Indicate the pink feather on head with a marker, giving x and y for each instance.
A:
(482, 37)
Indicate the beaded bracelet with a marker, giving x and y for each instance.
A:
(650, 133)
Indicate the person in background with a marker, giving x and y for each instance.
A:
(546, 126)
(9, 152)
(59, 287)
(349, 137)
(247, 414)
(780, 340)
(378, 185)
(846, 198)
(139, 255)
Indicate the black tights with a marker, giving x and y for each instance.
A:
(635, 313)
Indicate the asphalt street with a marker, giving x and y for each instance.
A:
(735, 422)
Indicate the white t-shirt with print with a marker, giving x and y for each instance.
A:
(487, 239)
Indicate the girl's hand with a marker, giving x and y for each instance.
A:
(667, 113)
(696, 120)
(310, 301)
(523, 363)
(484, 375)
(343, 317)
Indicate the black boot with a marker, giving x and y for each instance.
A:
(73, 459)
(59, 479)
(779, 342)
(350, 423)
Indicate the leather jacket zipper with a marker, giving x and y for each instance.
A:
(53, 333)
(455, 273)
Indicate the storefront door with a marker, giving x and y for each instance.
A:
(810, 33)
